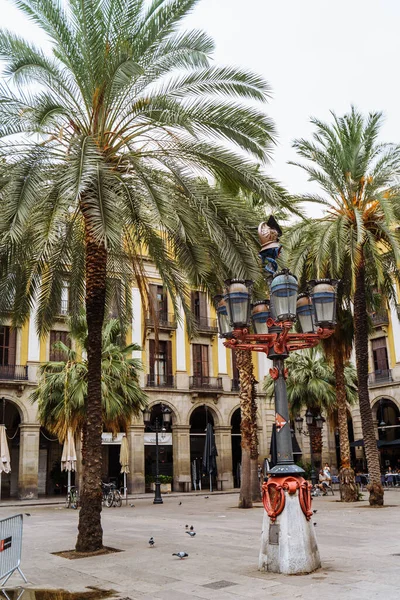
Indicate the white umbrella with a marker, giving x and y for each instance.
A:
(124, 461)
(68, 458)
(5, 463)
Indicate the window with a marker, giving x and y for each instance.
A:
(160, 303)
(200, 361)
(58, 336)
(8, 344)
(64, 303)
(199, 308)
(160, 363)
(380, 355)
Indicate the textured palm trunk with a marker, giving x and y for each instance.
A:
(361, 345)
(90, 532)
(348, 488)
(246, 378)
(255, 482)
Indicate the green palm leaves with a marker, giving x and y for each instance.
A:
(62, 388)
(127, 122)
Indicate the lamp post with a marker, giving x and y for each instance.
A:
(311, 422)
(288, 541)
(157, 428)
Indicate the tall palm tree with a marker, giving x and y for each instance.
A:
(359, 180)
(62, 386)
(311, 384)
(108, 146)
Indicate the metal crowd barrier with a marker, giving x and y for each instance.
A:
(10, 548)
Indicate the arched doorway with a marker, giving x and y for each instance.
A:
(388, 421)
(236, 447)
(11, 418)
(198, 423)
(165, 449)
(51, 480)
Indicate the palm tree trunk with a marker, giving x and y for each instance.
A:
(255, 482)
(348, 488)
(361, 345)
(245, 368)
(90, 532)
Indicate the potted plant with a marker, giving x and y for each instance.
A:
(165, 480)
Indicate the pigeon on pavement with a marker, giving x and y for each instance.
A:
(28, 514)
(206, 497)
(151, 542)
(315, 511)
(186, 526)
(191, 528)
(179, 503)
(132, 505)
(180, 554)
(191, 533)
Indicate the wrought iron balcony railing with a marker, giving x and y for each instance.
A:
(206, 325)
(163, 319)
(13, 372)
(380, 376)
(381, 317)
(198, 382)
(64, 308)
(161, 381)
(235, 387)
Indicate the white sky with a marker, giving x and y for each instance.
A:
(317, 55)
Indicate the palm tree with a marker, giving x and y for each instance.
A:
(108, 147)
(311, 384)
(359, 180)
(62, 387)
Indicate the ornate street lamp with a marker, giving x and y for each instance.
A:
(157, 428)
(224, 326)
(274, 336)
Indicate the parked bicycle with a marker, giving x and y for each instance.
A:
(111, 496)
(72, 499)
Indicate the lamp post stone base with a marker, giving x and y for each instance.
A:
(288, 541)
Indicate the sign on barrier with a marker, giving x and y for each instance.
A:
(10, 548)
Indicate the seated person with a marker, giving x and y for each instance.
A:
(324, 482)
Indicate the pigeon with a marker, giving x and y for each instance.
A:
(191, 528)
(27, 514)
(186, 526)
(180, 554)
(315, 524)
(132, 505)
(151, 542)
(191, 533)
(206, 497)
(315, 511)
(179, 503)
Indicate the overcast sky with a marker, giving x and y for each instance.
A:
(317, 55)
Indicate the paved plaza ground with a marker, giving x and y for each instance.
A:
(359, 546)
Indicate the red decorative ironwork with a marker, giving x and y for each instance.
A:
(281, 342)
(273, 495)
(279, 421)
(274, 373)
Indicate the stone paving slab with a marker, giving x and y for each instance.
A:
(357, 546)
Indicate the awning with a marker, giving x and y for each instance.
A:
(379, 443)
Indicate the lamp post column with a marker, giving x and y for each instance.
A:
(157, 495)
(313, 473)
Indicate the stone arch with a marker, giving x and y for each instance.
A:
(376, 401)
(176, 417)
(19, 405)
(217, 417)
(232, 412)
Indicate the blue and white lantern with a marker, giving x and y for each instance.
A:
(238, 302)
(260, 314)
(284, 289)
(305, 313)
(323, 296)
(224, 327)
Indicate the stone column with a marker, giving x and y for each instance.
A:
(181, 458)
(135, 478)
(223, 441)
(28, 461)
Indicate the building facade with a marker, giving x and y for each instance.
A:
(196, 379)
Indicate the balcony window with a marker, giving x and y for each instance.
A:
(57, 355)
(380, 357)
(160, 364)
(199, 310)
(8, 344)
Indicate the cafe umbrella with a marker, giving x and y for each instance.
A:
(124, 461)
(5, 465)
(209, 455)
(68, 457)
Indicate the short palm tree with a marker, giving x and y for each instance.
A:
(356, 236)
(109, 145)
(62, 387)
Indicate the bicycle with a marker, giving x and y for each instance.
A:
(72, 499)
(111, 496)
